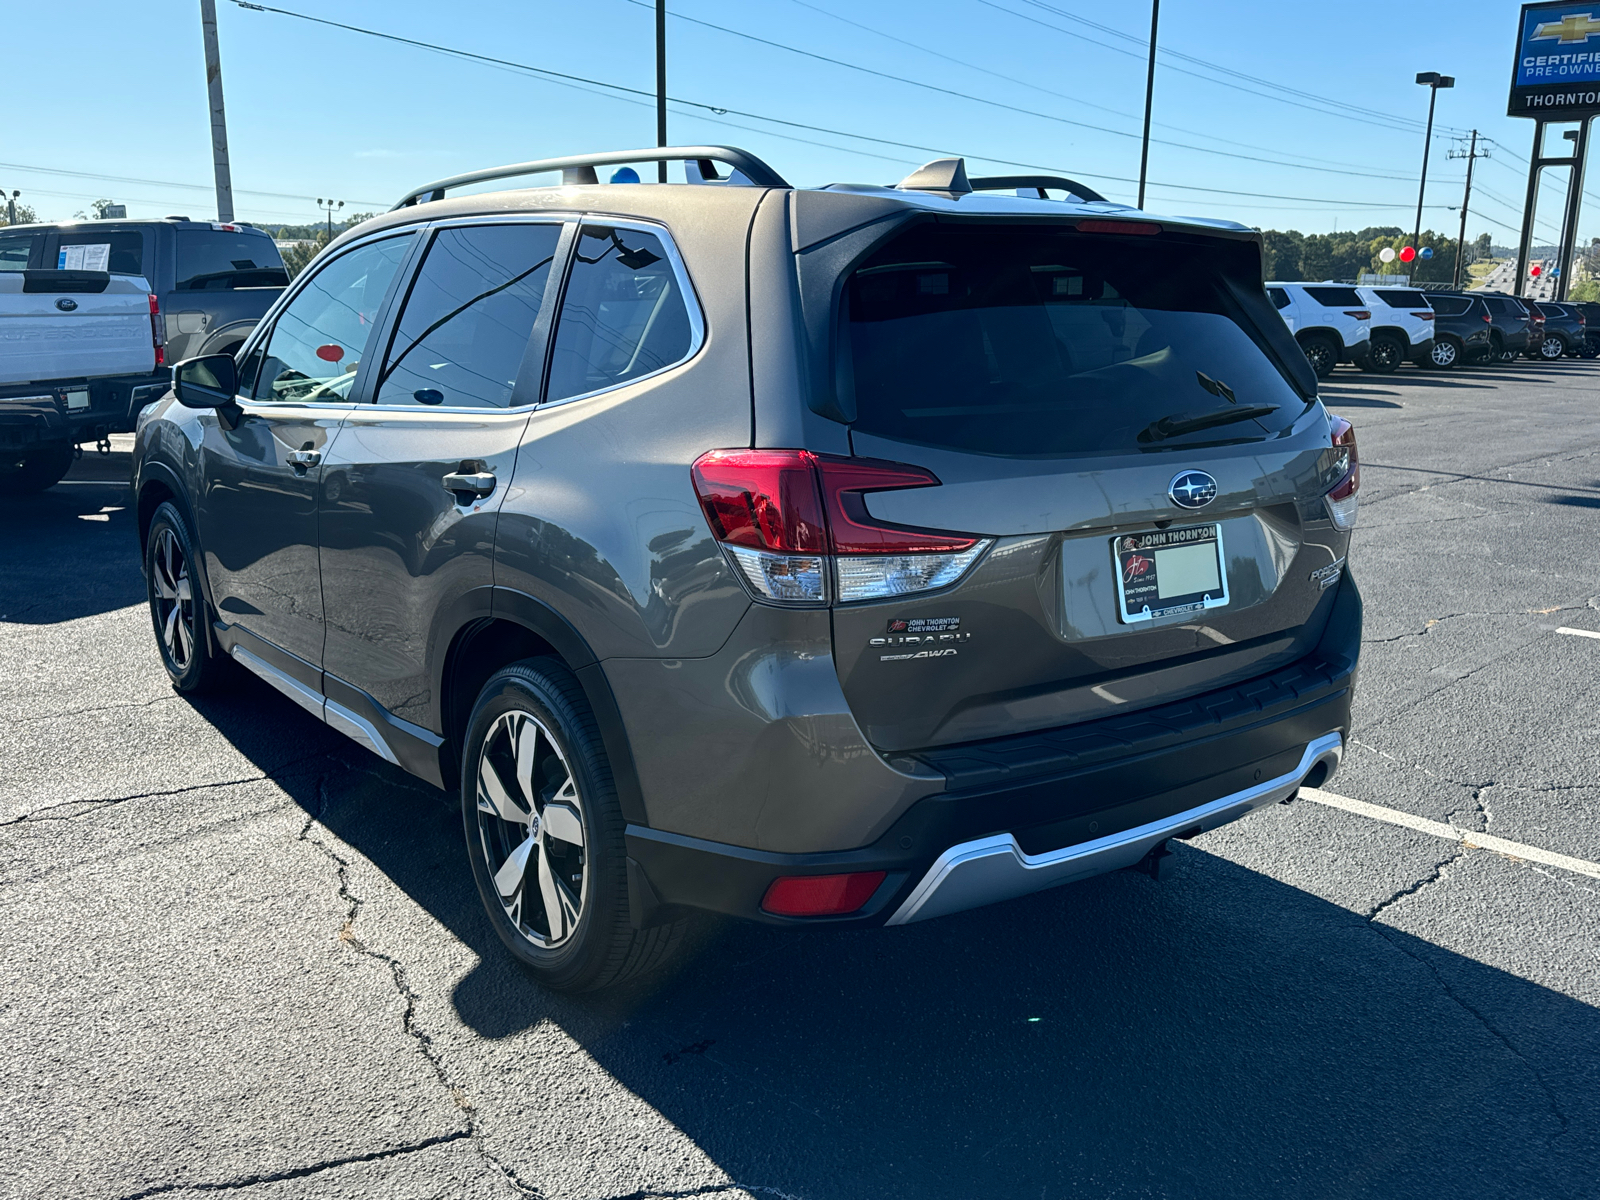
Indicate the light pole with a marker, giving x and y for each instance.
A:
(1434, 82)
(1149, 95)
(11, 206)
(330, 205)
(661, 84)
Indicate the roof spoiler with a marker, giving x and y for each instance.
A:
(700, 167)
(1037, 183)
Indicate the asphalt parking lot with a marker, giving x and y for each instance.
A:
(239, 953)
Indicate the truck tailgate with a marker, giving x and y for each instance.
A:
(73, 334)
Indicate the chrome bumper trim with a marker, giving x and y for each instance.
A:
(995, 868)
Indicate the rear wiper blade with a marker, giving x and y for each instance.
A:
(1178, 423)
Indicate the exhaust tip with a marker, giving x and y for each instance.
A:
(1321, 771)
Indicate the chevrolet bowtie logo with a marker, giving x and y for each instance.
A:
(1572, 29)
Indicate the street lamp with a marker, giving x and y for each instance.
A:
(11, 206)
(330, 205)
(1434, 81)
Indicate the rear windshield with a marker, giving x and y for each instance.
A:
(1336, 297)
(1450, 306)
(1050, 343)
(120, 252)
(212, 260)
(14, 250)
(1395, 298)
(1550, 310)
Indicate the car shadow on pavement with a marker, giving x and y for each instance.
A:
(85, 519)
(1218, 1033)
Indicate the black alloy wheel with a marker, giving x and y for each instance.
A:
(1590, 347)
(544, 833)
(1322, 354)
(178, 604)
(1387, 355)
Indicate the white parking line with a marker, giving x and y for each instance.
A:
(1577, 632)
(1474, 841)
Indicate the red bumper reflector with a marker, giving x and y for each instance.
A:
(821, 895)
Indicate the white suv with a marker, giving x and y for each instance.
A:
(1331, 322)
(1402, 326)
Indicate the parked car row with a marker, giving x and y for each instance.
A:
(1378, 328)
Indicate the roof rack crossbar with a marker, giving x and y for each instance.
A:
(1005, 183)
(579, 168)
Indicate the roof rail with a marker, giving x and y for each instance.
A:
(1004, 183)
(579, 168)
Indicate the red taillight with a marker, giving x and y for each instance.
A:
(792, 520)
(821, 895)
(1341, 499)
(1424, 316)
(1137, 228)
(1538, 318)
(158, 330)
(1360, 314)
(1488, 318)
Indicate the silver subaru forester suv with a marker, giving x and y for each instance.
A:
(837, 556)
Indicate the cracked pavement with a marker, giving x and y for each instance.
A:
(241, 954)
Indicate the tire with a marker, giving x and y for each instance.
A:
(1446, 354)
(41, 468)
(1552, 348)
(1496, 354)
(179, 614)
(1507, 356)
(1387, 355)
(1322, 354)
(1590, 347)
(542, 821)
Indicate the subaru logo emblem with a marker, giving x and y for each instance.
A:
(66, 305)
(1192, 489)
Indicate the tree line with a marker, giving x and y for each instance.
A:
(1292, 256)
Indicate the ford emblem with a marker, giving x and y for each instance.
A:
(1192, 489)
(66, 305)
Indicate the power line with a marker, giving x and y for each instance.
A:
(584, 83)
(158, 182)
(1001, 104)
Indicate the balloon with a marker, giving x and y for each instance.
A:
(1535, 269)
(1386, 254)
(1407, 254)
(1426, 252)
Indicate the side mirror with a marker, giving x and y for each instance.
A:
(211, 381)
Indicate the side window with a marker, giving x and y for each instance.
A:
(464, 330)
(623, 314)
(14, 251)
(320, 338)
(1279, 297)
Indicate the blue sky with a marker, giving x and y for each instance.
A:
(314, 111)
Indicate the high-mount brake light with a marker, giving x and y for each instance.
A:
(158, 330)
(821, 895)
(796, 525)
(1342, 500)
(1136, 228)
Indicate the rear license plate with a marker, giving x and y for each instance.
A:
(77, 400)
(1169, 571)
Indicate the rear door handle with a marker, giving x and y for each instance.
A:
(478, 483)
(302, 460)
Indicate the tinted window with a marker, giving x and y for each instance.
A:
(1550, 310)
(1279, 297)
(214, 260)
(319, 340)
(14, 250)
(1336, 297)
(1396, 298)
(462, 335)
(121, 253)
(623, 314)
(1450, 306)
(1495, 304)
(1053, 343)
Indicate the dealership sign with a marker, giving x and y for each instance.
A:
(1557, 73)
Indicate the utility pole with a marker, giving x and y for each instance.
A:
(1149, 95)
(219, 120)
(661, 85)
(11, 206)
(1471, 156)
(1433, 81)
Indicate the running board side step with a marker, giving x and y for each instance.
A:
(996, 868)
(353, 725)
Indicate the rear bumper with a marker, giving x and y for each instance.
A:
(31, 414)
(1421, 350)
(1024, 813)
